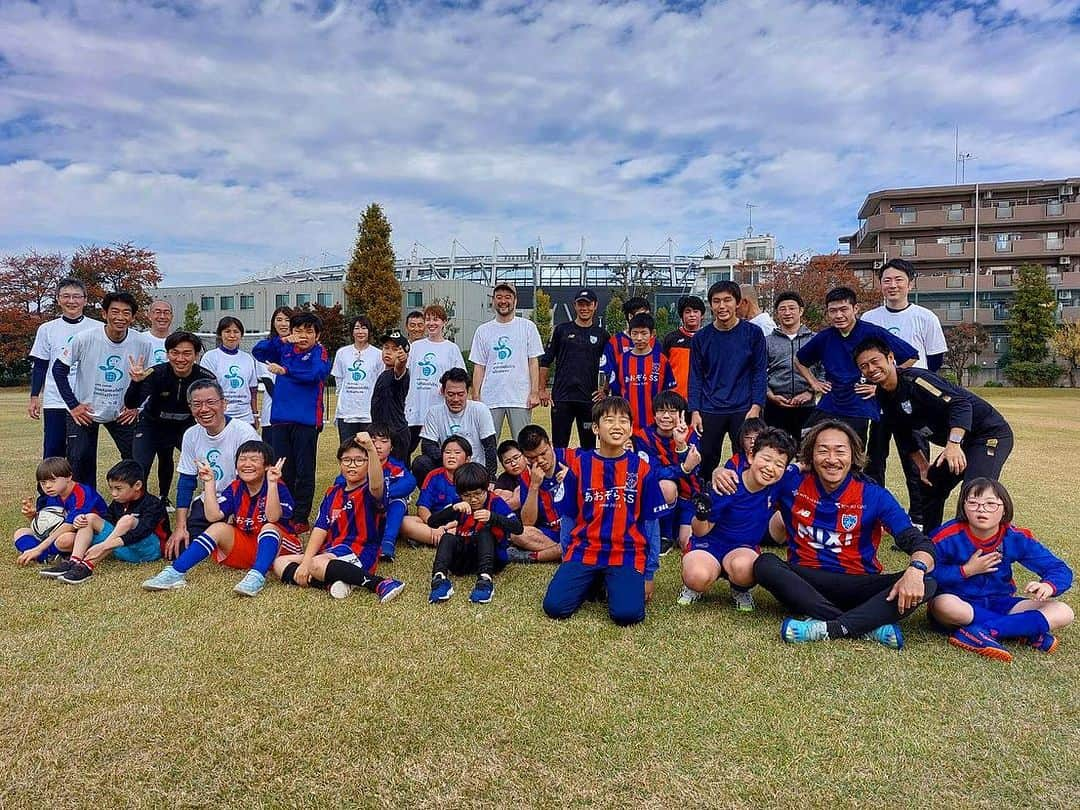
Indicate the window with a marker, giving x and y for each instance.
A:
(414, 300)
(281, 300)
(325, 299)
(226, 303)
(954, 281)
(1002, 243)
(907, 214)
(207, 303)
(757, 253)
(303, 298)
(907, 247)
(1054, 241)
(723, 275)
(1003, 279)
(955, 212)
(1055, 208)
(955, 247)
(999, 344)
(1003, 210)
(247, 302)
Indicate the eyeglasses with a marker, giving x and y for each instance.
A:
(514, 459)
(353, 461)
(983, 506)
(204, 403)
(71, 297)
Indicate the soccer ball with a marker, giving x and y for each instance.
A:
(46, 521)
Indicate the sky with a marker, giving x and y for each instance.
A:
(237, 139)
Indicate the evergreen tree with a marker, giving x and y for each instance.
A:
(192, 318)
(1031, 317)
(663, 323)
(614, 320)
(371, 287)
(541, 315)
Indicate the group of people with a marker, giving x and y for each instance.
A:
(809, 418)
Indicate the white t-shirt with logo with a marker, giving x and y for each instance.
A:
(49, 343)
(504, 350)
(102, 377)
(474, 423)
(218, 451)
(266, 399)
(917, 325)
(236, 374)
(428, 360)
(356, 371)
(158, 354)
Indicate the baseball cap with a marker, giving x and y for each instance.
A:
(505, 285)
(395, 336)
(586, 295)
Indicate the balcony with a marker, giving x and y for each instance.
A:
(951, 282)
(1016, 248)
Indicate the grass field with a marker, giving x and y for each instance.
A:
(112, 696)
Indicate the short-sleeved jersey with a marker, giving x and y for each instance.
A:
(666, 461)
(638, 378)
(608, 501)
(398, 481)
(504, 350)
(349, 517)
(913, 324)
(236, 373)
(428, 359)
(742, 517)
(437, 491)
(248, 512)
(355, 372)
(954, 545)
(550, 492)
(737, 462)
(50, 340)
(102, 378)
(838, 531)
(158, 352)
(677, 349)
(82, 500)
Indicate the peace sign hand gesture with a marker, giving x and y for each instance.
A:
(205, 472)
(137, 369)
(273, 472)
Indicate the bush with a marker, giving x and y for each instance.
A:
(993, 384)
(1028, 374)
(950, 375)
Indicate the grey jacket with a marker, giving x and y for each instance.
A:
(784, 379)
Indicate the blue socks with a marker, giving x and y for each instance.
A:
(395, 513)
(267, 552)
(201, 548)
(1013, 625)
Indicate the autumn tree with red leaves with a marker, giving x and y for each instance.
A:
(812, 279)
(28, 282)
(119, 266)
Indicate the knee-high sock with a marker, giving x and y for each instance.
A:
(267, 551)
(395, 513)
(1013, 625)
(341, 571)
(199, 549)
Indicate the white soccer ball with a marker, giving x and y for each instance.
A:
(46, 521)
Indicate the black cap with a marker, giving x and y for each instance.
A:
(586, 295)
(395, 336)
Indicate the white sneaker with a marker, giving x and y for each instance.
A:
(744, 600)
(340, 590)
(687, 597)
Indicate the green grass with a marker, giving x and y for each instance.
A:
(112, 696)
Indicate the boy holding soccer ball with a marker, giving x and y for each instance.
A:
(57, 482)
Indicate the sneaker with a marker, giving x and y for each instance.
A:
(387, 553)
(483, 590)
(519, 555)
(388, 589)
(801, 631)
(666, 545)
(251, 584)
(58, 570)
(167, 580)
(441, 588)
(169, 506)
(1044, 642)
(888, 635)
(975, 638)
(340, 590)
(687, 597)
(79, 573)
(744, 600)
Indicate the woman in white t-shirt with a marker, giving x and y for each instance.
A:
(279, 325)
(235, 371)
(355, 370)
(429, 358)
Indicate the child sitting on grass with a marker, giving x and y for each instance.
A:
(478, 543)
(728, 528)
(250, 522)
(57, 482)
(133, 529)
(399, 483)
(976, 591)
(437, 492)
(343, 549)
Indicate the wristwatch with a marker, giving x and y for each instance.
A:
(956, 439)
(919, 565)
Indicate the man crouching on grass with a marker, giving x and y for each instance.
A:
(610, 503)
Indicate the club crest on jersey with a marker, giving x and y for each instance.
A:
(592, 339)
(849, 522)
(905, 406)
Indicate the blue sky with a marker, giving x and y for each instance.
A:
(235, 138)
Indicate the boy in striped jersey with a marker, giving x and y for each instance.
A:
(642, 372)
(250, 522)
(540, 486)
(343, 549)
(610, 503)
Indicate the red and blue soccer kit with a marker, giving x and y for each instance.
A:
(438, 491)
(248, 513)
(638, 378)
(741, 519)
(548, 518)
(475, 547)
(666, 463)
(350, 519)
(995, 590)
(82, 500)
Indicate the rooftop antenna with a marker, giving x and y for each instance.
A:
(750, 213)
(961, 161)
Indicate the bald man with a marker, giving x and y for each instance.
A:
(161, 318)
(750, 310)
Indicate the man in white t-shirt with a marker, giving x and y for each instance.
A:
(506, 356)
(213, 439)
(161, 318)
(355, 370)
(49, 343)
(429, 359)
(456, 415)
(750, 310)
(921, 328)
(101, 359)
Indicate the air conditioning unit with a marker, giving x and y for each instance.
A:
(1065, 260)
(1064, 295)
(879, 264)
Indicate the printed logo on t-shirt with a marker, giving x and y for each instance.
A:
(894, 330)
(160, 356)
(455, 430)
(502, 348)
(427, 364)
(110, 370)
(212, 458)
(356, 370)
(234, 378)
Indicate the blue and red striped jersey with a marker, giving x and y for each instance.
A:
(608, 501)
(954, 545)
(349, 517)
(547, 513)
(398, 480)
(665, 461)
(469, 526)
(840, 530)
(438, 491)
(640, 377)
(249, 511)
(737, 462)
(82, 500)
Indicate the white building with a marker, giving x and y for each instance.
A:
(747, 254)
